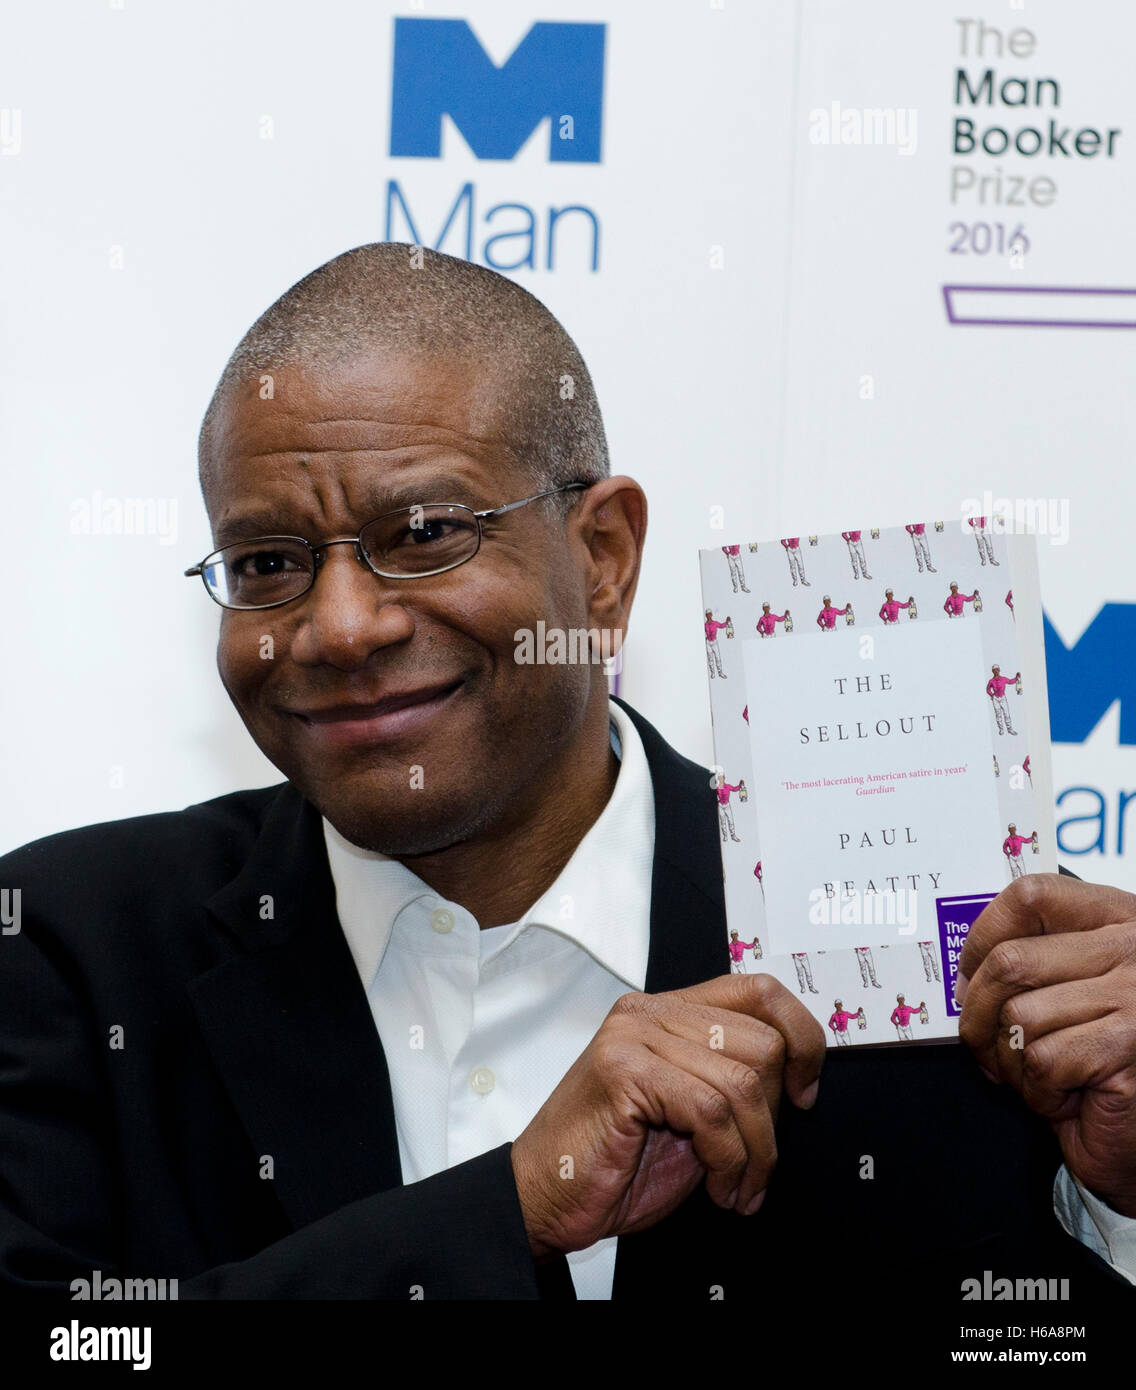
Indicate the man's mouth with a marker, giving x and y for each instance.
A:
(392, 717)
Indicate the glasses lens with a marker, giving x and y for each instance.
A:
(421, 540)
(252, 574)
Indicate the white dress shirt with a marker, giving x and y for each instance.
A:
(479, 1027)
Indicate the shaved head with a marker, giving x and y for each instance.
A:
(388, 297)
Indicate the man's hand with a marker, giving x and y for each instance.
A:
(1048, 976)
(674, 1088)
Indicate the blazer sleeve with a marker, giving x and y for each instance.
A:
(457, 1235)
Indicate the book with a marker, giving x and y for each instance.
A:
(882, 768)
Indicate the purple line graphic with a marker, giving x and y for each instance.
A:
(1039, 306)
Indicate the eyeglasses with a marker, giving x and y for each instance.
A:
(411, 543)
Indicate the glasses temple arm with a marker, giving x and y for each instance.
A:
(510, 506)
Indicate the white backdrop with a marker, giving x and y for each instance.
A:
(765, 323)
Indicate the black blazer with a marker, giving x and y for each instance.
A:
(192, 1087)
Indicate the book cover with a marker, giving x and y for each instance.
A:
(882, 771)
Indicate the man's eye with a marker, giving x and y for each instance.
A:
(432, 529)
(264, 562)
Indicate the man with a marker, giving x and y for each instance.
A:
(738, 949)
(856, 554)
(953, 604)
(901, 1016)
(996, 689)
(891, 607)
(826, 618)
(982, 539)
(792, 546)
(713, 655)
(766, 624)
(734, 560)
(804, 969)
(1012, 847)
(930, 961)
(448, 1013)
(867, 964)
(723, 790)
(917, 530)
(839, 1021)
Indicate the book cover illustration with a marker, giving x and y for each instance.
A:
(881, 744)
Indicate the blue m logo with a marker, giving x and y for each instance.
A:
(1086, 678)
(440, 68)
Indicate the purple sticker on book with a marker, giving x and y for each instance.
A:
(956, 917)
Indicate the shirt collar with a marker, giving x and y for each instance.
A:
(601, 899)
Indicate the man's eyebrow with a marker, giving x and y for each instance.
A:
(247, 523)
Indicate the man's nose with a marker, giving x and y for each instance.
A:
(348, 613)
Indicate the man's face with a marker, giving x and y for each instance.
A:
(330, 452)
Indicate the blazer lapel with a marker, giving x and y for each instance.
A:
(289, 1027)
(688, 945)
(688, 905)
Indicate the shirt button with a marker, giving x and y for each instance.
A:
(442, 920)
(482, 1080)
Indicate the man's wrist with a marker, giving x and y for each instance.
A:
(539, 1246)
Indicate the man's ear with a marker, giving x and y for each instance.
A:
(612, 525)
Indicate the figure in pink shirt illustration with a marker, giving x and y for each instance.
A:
(804, 972)
(1026, 769)
(856, 554)
(713, 655)
(760, 879)
(996, 689)
(917, 530)
(1012, 847)
(891, 607)
(841, 1018)
(901, 1016)
(734, 560)
(930, 961)
(953, 607)
(725, 814)
(867, 964)
(738, 950)
(826, 618)
(982, 540)
(1010, 602)
(792, 546)
(767, 623)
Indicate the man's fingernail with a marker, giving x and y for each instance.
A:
(808, 1097)
(753, 1206)
(733, 1197)
(960, 989)
(989, 1075)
